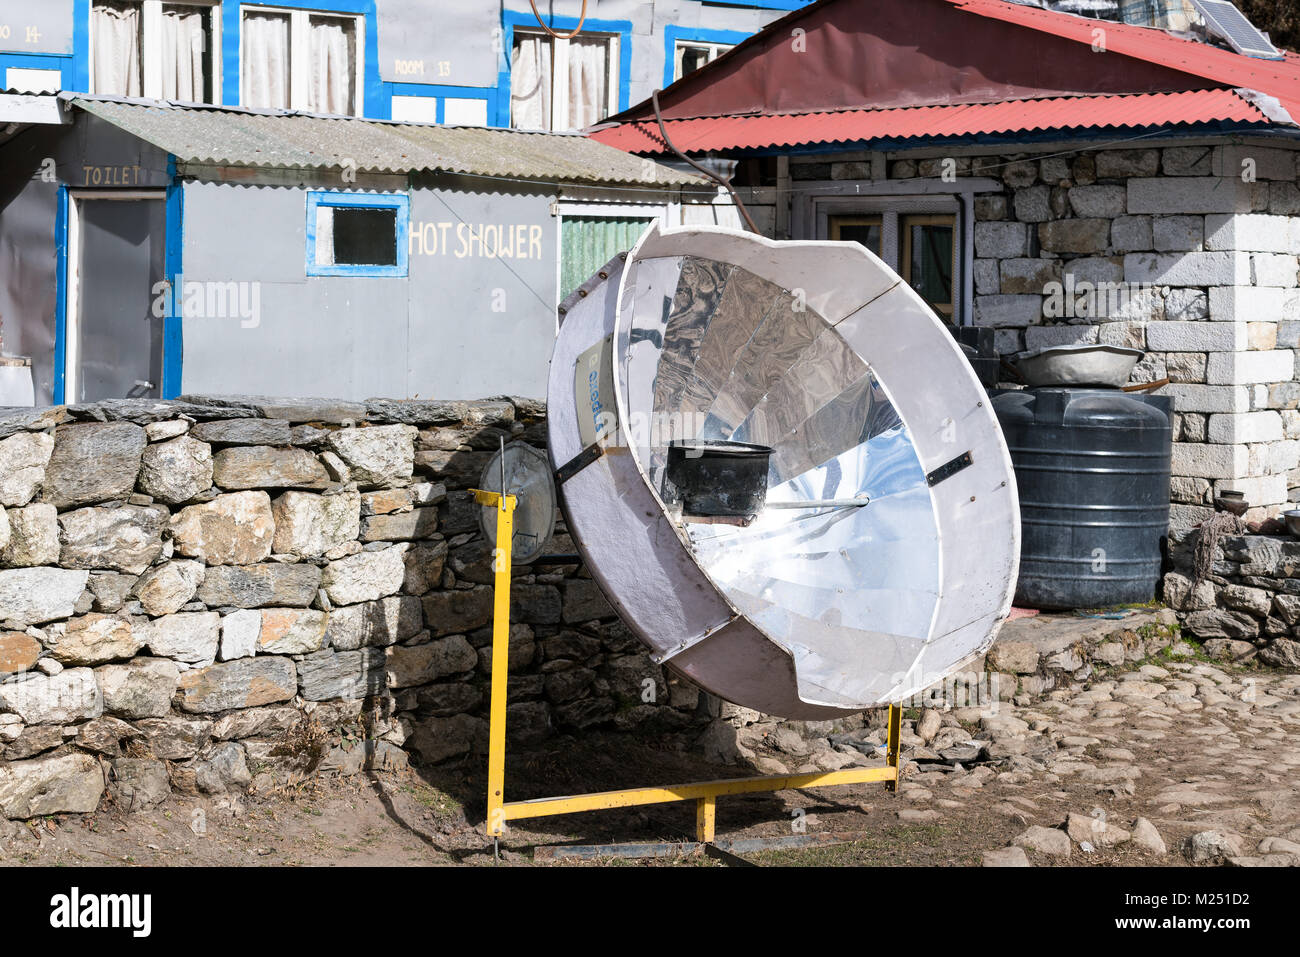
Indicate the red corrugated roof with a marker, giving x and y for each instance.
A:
(1138, 111)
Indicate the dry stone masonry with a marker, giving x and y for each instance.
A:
(217, 593)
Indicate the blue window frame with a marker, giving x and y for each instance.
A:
(320, 246)
(674, 34)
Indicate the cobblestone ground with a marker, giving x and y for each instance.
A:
(1185, 761)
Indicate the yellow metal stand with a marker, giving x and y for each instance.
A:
(704, 793)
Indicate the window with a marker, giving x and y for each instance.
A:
(921, 247)
(562, 84)
(163, 51)
(689, 56)
(357, 234)
(301, 60)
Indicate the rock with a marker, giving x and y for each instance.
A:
(126, 539)
(33, 741)
(1147, 837)
(584, 601)
(379, 623)
(18, 652)
(535, 604)
(111, 590)
(174, 738)
(240, 631)
(67, 697)
(459, 611)
(191, 636)
(929, 724)
(379, 455)
(963, 752)
(347, 674)
(69, 783)
(105, 735)
(233, 529)
(142, 688)
(139, 783)
(915, 816)
(424, 565)
(245, 683)
(94, 639)
(1220, 623)
(248, 431)
(92, 462)
(1006, 857)
(254, 586)
(33, 537)
(166, 588)
(366, 576)
(292, 631)
(23, 458)
(223, 768)
(1094, 830)
(1282, 653)
(162, 431)
(1046, 840)
(309, 525)
(1228, 649)
(1015, 657)
(176, 471)
(1211, 846)
(271, 722)
(421, 664)
(436, 739)
(1109, 653)
(261, 466)
(401, 526)
(1254, 601)
(31, 596)
(721, 743)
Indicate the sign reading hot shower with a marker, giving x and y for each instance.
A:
(477, 240)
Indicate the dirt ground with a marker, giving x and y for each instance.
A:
(1195, 756)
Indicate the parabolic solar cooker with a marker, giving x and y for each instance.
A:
(781, 470)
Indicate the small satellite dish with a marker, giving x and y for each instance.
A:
(877, 552)
(527, 476)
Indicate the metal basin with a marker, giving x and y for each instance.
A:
(1106, 367)
(1292, 519)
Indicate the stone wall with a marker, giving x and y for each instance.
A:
(219, 593)
(1186, 251)
(1249, 605)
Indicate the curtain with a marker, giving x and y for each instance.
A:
(588, 81)
(115, 30)
(265, 58)
(530, 82)
(184, 41)
(333, 66)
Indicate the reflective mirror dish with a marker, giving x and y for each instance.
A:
(885, 556)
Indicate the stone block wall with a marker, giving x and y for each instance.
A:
(217, 592)
(1187, 251)
(1249, 604)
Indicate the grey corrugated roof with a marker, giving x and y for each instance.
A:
(236, 137)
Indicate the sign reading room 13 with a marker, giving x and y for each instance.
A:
(477, 240)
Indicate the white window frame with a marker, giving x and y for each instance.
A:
(151, 45)
(300, 52)
(560, 73)
(715, 50)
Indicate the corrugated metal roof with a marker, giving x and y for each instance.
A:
(1138, 111)
(236, 137)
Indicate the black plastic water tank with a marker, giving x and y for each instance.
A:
(1092, 466)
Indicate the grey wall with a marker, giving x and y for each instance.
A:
(434, 334)
(36, 26)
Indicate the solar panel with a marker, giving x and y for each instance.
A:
(1228, 22)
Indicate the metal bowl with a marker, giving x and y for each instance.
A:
(1105, 367)
(1292, 519)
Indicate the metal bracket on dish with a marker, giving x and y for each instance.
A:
(579, 462)
(949, 469)
(659, 657)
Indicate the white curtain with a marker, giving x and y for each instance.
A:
(115, 29)
(333, 66)
(530, 82)
(588, 81)
(184, 38)
(265, 58)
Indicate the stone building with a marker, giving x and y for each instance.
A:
(1056, 178)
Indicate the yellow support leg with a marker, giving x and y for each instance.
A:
(496, 816)
(894, 745)
(706, 809)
